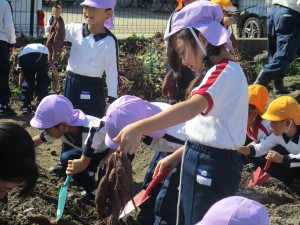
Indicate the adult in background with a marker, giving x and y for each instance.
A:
(283, 39)
(7, 41)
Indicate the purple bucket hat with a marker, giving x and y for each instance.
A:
(55, 109)
(124, 111)
(204, 16)
(103, 4)
(236, 210)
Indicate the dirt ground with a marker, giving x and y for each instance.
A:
(282, 202)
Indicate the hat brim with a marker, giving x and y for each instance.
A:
(36, 123)
(91, 4)
(220, 34)
(270, 117)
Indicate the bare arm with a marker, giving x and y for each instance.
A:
(170, 161)
(130, 136)
(37, 140)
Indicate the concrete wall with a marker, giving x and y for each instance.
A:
(252, 47)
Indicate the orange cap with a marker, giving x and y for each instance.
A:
(258, 96)
(180, 5)
(283, 108)
(225, 5)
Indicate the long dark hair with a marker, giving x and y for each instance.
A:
(18, 160)
(175, 61)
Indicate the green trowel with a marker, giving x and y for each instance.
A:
(62, 198)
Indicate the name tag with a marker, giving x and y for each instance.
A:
(203, 180)
(85, 95)
(203, 177)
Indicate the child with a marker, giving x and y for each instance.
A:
(94, 52)
(7, 41)
(18, 166)
(236, 210)
(216, 113)
(160, 208)
(257, 128)
(33, 65)
(59, 120)
(282, 145)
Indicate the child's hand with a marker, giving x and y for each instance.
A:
(244, 150)
(274, 156)
(77, 165)
(227, 21)
(170, 161)
(56, 11)
(129, 139)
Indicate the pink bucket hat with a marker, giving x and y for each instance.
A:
(236, 210)
(55, 109)
(103, 4)
(124, 111)
(204, 16)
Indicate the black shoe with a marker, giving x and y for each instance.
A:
(57, 169)
(86, 199)
(5, 110)
(26, 109)
(278, 88)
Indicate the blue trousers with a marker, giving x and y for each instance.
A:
(208, 175)
(86, 94)
(283, 39)
(4, 73)
(88, 182)
(36, 80)
(160, 208)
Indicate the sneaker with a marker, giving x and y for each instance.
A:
(26, 109)
(82, 197)
(57, 169)
(74, 195)
(5, 110)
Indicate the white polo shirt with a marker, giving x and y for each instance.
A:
(35, 47)
(223, 124)
(92, 55)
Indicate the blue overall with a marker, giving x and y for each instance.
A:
(283, 39)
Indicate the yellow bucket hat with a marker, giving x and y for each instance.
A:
(258, 96)
(283, 108)
(225, 5)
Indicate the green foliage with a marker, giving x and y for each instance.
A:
(294, 68)
(16, 91)
(142, 66)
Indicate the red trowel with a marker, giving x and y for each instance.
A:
(143, 195)
(260, 176)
